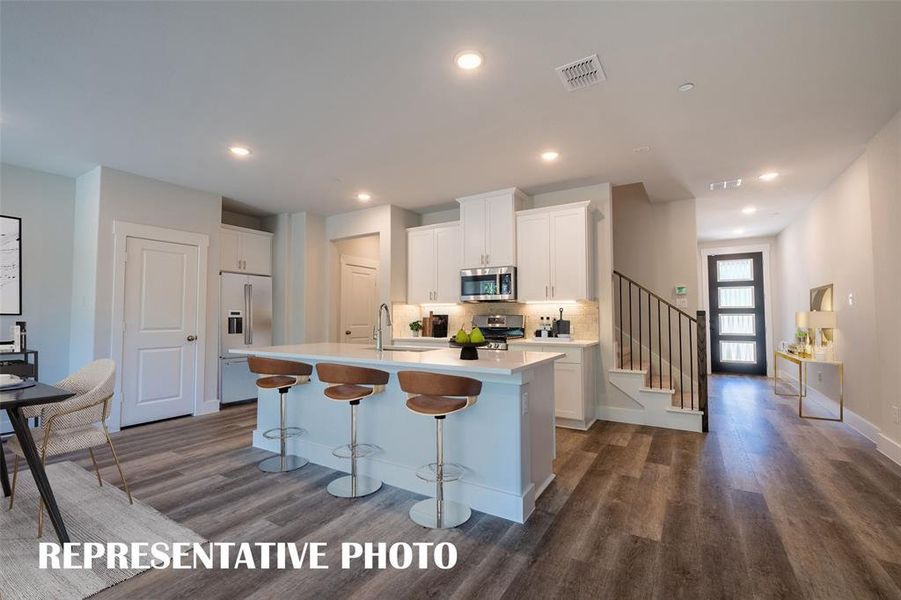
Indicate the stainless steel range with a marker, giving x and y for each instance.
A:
(498, 329)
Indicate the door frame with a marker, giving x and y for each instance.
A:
(704, 292)
(122, 230)
(346, 260)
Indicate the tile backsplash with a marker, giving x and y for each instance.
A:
(583, 315)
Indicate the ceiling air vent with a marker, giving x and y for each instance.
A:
(581, 73)
(727, 184)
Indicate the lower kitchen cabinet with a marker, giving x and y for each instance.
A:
(574, 383)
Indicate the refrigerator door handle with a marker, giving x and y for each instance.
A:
(248, 319)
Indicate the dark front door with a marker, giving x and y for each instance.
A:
(737, 329)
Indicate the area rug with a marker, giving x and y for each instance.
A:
(91, 514)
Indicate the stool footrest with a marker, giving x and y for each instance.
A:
(450, 472)
(358, 451)
(276, 433)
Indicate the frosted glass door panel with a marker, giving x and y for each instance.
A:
(735, 270)
(736, 297)
(737, 324)
(745, 352)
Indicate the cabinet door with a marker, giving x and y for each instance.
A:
(420, 266)
(474, 228)
(569, 250)
(568, 402)
(532, 258)
(447, 260)
(229, 253)
(256, 252)
(500, 244)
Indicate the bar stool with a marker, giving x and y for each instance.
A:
(281, 374)
(436, 395)
(352, 386)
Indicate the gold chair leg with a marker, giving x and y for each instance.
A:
(118, 465)
(96, 468)
(12, 491)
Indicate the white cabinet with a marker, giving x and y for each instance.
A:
(574, 383)
(552, 248)
(488, 224)
(568, 399)
(245, 250)
(433, 264)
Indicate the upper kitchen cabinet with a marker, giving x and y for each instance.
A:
(488, 224)
(433, 264)
(244, 250)
(552, 253)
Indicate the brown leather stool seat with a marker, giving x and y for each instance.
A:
(352, 384)
(282, 375)
(435, 405)
(276, 381)
(438, 395)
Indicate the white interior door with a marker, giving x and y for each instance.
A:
(159, 349)
(359, 300)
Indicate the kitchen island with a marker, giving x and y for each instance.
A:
(505, 440)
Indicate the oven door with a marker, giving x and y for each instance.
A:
(494, 284)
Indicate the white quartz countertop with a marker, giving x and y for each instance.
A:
(400, 341)
(498, 362)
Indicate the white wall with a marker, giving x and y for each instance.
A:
(655, 244)
(46, 205)
(884, 161)
(84, 268)
(849, 237)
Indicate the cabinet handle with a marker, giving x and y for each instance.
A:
(545, 291)
(553, 293)
(487, 259)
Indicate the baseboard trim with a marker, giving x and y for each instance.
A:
(890, 448)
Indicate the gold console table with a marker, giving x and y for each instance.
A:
(802, 363)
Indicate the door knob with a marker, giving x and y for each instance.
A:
(347, 332)
(191, 338)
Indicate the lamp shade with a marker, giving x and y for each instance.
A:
(821, 319)
(801, 320)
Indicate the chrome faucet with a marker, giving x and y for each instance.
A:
(377, 334)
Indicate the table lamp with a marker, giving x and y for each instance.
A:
(819, 320)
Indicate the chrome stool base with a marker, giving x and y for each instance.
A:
(344, 487)
(282, 464)
(451, 514)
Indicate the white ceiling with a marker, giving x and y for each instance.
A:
(337, 97)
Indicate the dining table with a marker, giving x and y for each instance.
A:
(13, 401)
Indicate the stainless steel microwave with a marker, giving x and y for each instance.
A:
(489, 284)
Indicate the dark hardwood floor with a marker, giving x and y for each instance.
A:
(766, 505)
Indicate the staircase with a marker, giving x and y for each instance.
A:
(661, 359)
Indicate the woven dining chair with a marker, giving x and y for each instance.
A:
(78, 423)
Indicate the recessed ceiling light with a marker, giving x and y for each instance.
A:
(550, 155)
(738, 231)
(686, 87)
(749, 210)
(364, 197)
(468, 60)
(641, 149)
(769, 176)
(240, 151)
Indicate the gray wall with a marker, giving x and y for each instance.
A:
(45, 203)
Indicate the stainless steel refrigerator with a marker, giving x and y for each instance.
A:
(245, 321)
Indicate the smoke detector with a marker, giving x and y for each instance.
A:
(726, 184)
(582, 73)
